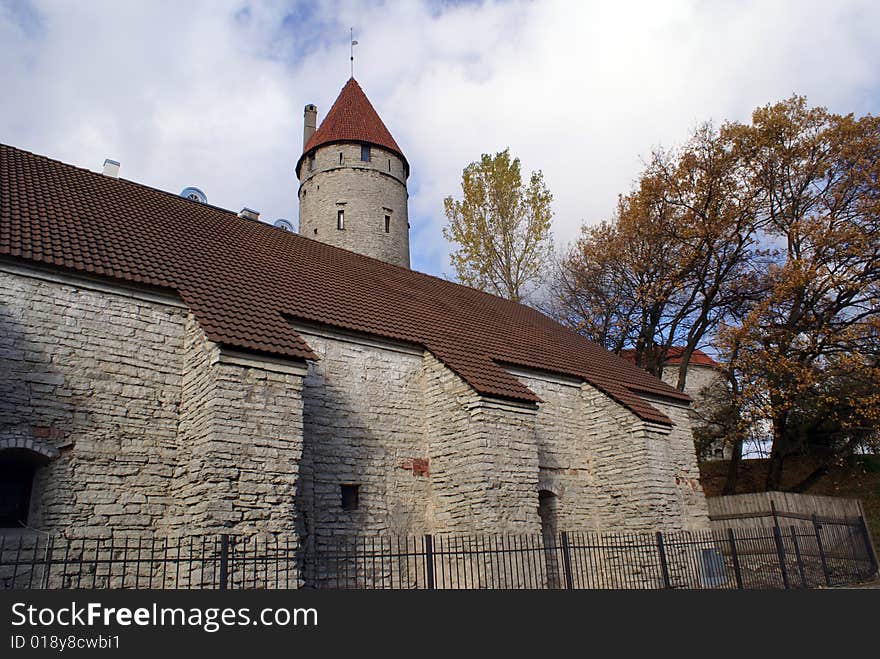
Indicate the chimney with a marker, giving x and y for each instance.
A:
(249, 213)
(111, 168)
(309, 123)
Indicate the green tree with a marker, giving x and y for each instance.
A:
(501, 227)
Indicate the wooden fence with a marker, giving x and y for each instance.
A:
(756, 510)
(763, 509)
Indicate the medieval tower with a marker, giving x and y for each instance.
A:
(352, 176)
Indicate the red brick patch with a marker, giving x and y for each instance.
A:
(418, 466)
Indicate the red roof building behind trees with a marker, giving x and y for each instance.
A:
(673, 357)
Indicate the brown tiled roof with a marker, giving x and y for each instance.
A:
(673, 357)
(352, 118)
(244, 279)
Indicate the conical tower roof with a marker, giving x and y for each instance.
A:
(352, 119)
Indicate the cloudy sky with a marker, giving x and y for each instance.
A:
(210, 93)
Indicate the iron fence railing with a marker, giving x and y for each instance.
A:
(823, 553)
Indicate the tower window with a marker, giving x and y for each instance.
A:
(312, 162)
(350, 496)
(365, 153)
(340, 157)
(387, 223)
(389, 164)
(340, 219)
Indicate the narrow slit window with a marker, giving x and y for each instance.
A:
(365, 153)
(387, 223)
(340, 157)
(340, 219)
(350, 496)
(389, 164)
(312, 162)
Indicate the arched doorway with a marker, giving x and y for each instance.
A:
(548, 506)
(18, 466)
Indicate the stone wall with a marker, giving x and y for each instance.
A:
(148, 427)
(427, 453)
(142, 424)
(700, 379)
(381, 160)
(363, 425)
(609, 470)
(431, 455)
(95, 376)
(240, 443)
(706, 386)
(566, 459)
(673, 466)
(484, 461)
(366, 191)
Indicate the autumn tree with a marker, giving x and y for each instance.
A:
(764, 237)
(807, 351)
(594, 290)
(678, 256)
(723, 420)
(617, 283)
(501, 227)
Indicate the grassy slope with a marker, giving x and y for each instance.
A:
(858, 479)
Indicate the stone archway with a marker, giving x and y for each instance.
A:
(29, 444)
(19, 460)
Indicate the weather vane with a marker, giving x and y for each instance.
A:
(353, 44)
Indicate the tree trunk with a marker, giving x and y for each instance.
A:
(774, 470)
(733, 468)
(808, 482)
(682, 373)
(778, 452)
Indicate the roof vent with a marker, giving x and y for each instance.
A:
(283, 224)
(194, 194)
(249, 213)
(111, 168)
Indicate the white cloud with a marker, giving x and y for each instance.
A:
(211, 93)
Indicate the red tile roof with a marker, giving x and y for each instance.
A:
(352, 118)
(244, 279)
(673, 357)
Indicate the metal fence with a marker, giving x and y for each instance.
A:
(224, 561)
(825, 552)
